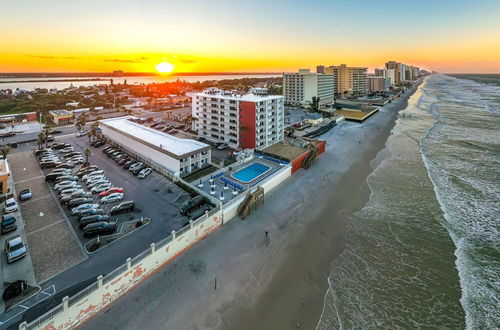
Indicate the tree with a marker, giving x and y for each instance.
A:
(41, 139)
(93, 130)
(315, 103)
(87, 153)
(4, 151)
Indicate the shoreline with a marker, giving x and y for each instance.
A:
(275, 282)
(324, 249)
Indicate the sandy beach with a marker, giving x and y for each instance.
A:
(238, 278)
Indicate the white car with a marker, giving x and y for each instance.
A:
(69, 191)
(101, 188)
(10, 205)
(81, 133)
(63, 183)
(94, 179)
(68, 186)
(112, 198)
(93, 173)
(98, 183)
(144, 173)
(80, 208)
(67, 150)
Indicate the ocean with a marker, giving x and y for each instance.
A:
(424, 251)
(14, 83)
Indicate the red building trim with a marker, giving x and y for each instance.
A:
(248, 125)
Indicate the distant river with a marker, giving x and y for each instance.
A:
(15, 83)
(424, 252)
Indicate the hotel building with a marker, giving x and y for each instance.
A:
(300, 87)
(350, 80)
(378, 84)
(253, 121)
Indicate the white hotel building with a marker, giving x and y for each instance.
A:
(178, 156)
(251, 121)
(300, 87)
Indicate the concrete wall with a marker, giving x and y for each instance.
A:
(134, 272)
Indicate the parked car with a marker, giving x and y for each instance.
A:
(67, 186)
(98, 183)
(10, 205)
(8, 223)
(86, 167)
(49, 164)
(123, 207)
(112, 198)
(93, 173)
(94, 178)
(128, 164)
(25, 194)
(192, 204)
(137, 169)
(58, 146)
(64, 183)
(69, 191)
(80, 208)
(99, 228)
(77, 194)
(67, 150)
(122, 161)
(136, 165)
(222, 146)
(91, 219)
(111, 191)
(66, 177)
(15, 249)
(41, 151)
(74, 153)
(61, 171)
(79, 201)
(90, 212)
(99, 144)
(66, 165)
(81, 133)
(145, 172)
(108, 150)
(101, 188)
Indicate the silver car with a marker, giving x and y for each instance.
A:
(15, 249)
(112, 198)
(80, 208)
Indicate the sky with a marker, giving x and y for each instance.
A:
(458, 36)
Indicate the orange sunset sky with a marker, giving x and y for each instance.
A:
(258, 36)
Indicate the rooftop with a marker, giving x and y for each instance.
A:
(170, 144)
(60, 112)
(232, 95)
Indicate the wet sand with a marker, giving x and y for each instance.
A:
(275, 282)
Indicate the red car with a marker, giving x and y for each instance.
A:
(111, 191)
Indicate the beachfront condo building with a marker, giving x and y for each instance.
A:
(351, 81)
(299, 88)
(378, 84)
(250, 121)
(402, 72)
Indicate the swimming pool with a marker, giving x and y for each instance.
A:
(251, 172)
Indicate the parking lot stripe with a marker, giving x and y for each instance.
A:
(27, 180)
(35, 199)
(40, 229)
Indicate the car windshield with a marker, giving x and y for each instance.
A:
(9, 204)
(16, 246)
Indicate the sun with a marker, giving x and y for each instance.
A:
(164, 67)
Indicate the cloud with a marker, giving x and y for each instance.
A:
(46, 57)
(141, 59)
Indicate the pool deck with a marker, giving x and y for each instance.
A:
(224, 184)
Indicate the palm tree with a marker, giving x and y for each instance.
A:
(87, 153)
(4, 151)
(41, 139)
(93, 129)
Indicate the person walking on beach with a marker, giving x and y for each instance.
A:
(267, 234)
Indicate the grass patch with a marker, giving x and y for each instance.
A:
(200, 173)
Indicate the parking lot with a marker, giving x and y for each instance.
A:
(155, 197)
(52, 244)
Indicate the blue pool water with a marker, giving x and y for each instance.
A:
(250, 172)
